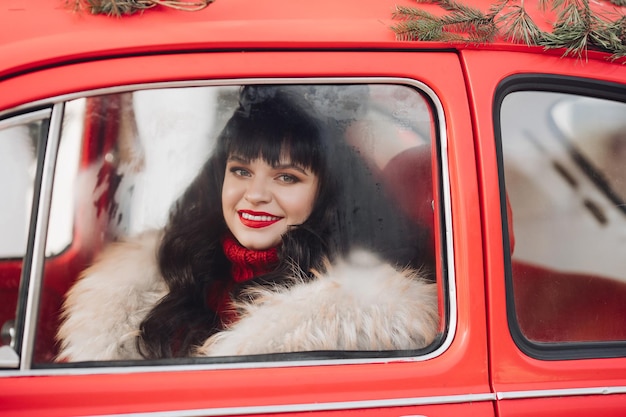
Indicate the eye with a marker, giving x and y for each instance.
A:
(288, 178)
(240, 172)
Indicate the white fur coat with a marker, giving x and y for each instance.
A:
(361, 303)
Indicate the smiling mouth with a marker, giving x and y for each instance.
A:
(257, 220)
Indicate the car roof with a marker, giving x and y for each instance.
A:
(40, 33)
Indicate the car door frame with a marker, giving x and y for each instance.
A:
(524, 384)
(443, 383)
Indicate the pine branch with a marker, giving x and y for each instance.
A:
(424, 27)
(472, 22)
(127, 7)
(573, 39)
(606, 34)
(573, 13)
(576, 30)
(571, 30)
(519, 27)
(611, 35)
(477, 26)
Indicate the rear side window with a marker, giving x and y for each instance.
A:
(563, 154)
(236, 220)
(21, 139)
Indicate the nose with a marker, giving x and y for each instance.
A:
(258, 191)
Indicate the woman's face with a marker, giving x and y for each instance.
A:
(260, 202)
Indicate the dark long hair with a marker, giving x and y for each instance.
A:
(351, 209)
(268, 121)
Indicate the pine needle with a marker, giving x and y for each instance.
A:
(403, 12)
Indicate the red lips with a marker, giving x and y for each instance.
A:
(257, 219)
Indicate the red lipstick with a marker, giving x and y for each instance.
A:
(257, 219)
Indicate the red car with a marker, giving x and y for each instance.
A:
(502, 155)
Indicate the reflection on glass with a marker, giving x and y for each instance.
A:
(18, 146)
(19, 138)
(562, 160)
(134, 166)
(595, 130)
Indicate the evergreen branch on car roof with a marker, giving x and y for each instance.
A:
(127, 7)
(576, 28)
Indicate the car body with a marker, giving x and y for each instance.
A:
(528, 234)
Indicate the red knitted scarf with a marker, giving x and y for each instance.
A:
(247, 263)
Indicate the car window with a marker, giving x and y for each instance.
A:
(132, 223)
(20, 141)
(563, 156)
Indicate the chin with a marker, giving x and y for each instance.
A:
(258, 244)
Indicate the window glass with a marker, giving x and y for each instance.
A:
(20, 137)
(290, 200)
(563, 163)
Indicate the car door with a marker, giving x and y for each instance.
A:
(550, 139)
(128, 134)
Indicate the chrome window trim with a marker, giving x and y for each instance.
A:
(33, 116)
(313, 407)
(382, 403)
(39, 245)
(564, 392)
(38, 260)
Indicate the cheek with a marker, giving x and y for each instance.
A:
(230, 194)
(311, 197)
(302, 203)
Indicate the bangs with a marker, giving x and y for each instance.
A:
(275, 140)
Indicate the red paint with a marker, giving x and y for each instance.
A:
(49, 51)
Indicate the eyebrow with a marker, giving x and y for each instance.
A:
(241, 160)
(292, 166)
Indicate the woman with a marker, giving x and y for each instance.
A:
(263, 225)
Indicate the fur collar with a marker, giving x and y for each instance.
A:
(361, 303)
(103, 310)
